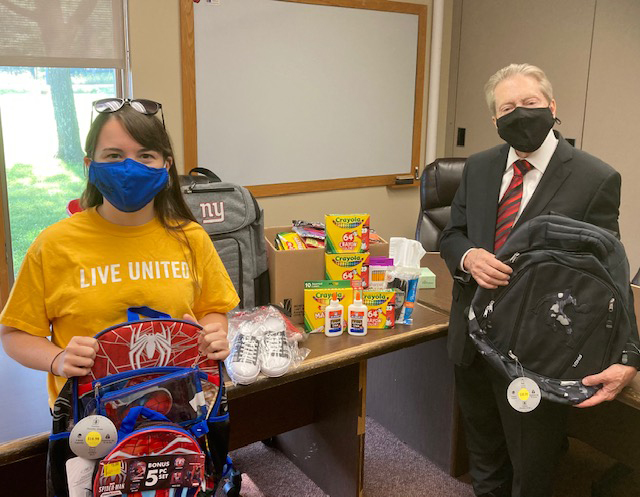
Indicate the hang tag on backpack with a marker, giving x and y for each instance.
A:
(523, 394)
(80, 476)
(93, 437)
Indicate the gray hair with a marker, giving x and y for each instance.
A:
(510, 71)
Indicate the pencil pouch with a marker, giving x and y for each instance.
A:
(175, 394)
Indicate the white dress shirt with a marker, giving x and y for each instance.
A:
(539, 159)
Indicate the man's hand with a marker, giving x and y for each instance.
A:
(613, 380)
(213, 341)
(77, 358)
(488, 271)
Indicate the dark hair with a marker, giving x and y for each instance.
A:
(148, 131)
(169, 205)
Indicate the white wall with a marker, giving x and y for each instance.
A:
(155, 57)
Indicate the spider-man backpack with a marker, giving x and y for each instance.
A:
(167, 402)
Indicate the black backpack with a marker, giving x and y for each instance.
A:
(231, 216)
(564, 314)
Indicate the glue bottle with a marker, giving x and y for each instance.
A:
(333, 317)
(357, 320)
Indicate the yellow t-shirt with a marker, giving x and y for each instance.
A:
(81, 274)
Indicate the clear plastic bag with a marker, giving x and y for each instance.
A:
(262, 341)
(406, 280)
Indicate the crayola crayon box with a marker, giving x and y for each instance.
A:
(317, 295)
(346, 233)
(289, 269)
(347, 267)
(381, 306)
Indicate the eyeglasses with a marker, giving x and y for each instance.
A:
(146, 107)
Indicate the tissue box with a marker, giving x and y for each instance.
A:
(427, 278)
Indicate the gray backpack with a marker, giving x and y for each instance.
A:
(231, 216)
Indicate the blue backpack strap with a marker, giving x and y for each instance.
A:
(130, 420)
(134, 313)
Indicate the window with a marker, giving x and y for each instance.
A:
(56, 57)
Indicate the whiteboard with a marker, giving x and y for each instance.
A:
(289, 92)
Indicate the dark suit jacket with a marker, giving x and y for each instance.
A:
(575, 184)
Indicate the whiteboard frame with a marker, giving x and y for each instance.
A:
(190, 114)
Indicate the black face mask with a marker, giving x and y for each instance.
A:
(525, 129)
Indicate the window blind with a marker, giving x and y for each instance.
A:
(62, 33)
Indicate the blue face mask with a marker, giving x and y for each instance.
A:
(128, 185)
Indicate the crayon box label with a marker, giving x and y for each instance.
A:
(317, 295)
(346, 233)
(347, 267)
(381, 308)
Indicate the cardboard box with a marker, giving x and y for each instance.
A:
(289, 269)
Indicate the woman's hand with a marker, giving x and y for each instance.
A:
(76, 359)
(213, 339)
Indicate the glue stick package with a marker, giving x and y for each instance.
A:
(346, 233)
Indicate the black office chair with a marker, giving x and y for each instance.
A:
(636, 278)
(438, 185)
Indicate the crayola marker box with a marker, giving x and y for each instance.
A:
(317, 295)
(347, 267)
(381, 308)
(346, 233)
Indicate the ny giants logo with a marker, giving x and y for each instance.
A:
(212, 212)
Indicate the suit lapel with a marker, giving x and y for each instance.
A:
(492, 191)
(556, 173)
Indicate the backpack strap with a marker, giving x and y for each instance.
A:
(129, 422)
(205, 172)
(134, 313)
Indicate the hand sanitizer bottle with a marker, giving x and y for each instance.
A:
(333, 317)
(357, 317)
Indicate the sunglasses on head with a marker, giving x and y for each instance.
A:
(146, 107)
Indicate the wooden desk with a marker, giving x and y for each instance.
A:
(316, 412)
(613, 427)
(438, 298)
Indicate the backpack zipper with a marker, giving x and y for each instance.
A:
(572, 359)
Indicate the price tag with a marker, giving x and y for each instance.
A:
(523, 394)
(93, 437)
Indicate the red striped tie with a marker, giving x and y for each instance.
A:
(510, 204)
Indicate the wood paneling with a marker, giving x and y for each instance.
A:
(188, 58)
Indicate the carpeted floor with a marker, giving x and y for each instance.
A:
(392, 468)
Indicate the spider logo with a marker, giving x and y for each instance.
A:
(145, 344)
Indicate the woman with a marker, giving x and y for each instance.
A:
(135, 244)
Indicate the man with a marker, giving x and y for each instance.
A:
(536, 172)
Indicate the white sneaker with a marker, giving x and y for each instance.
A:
(275, 352)
(242, 364)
